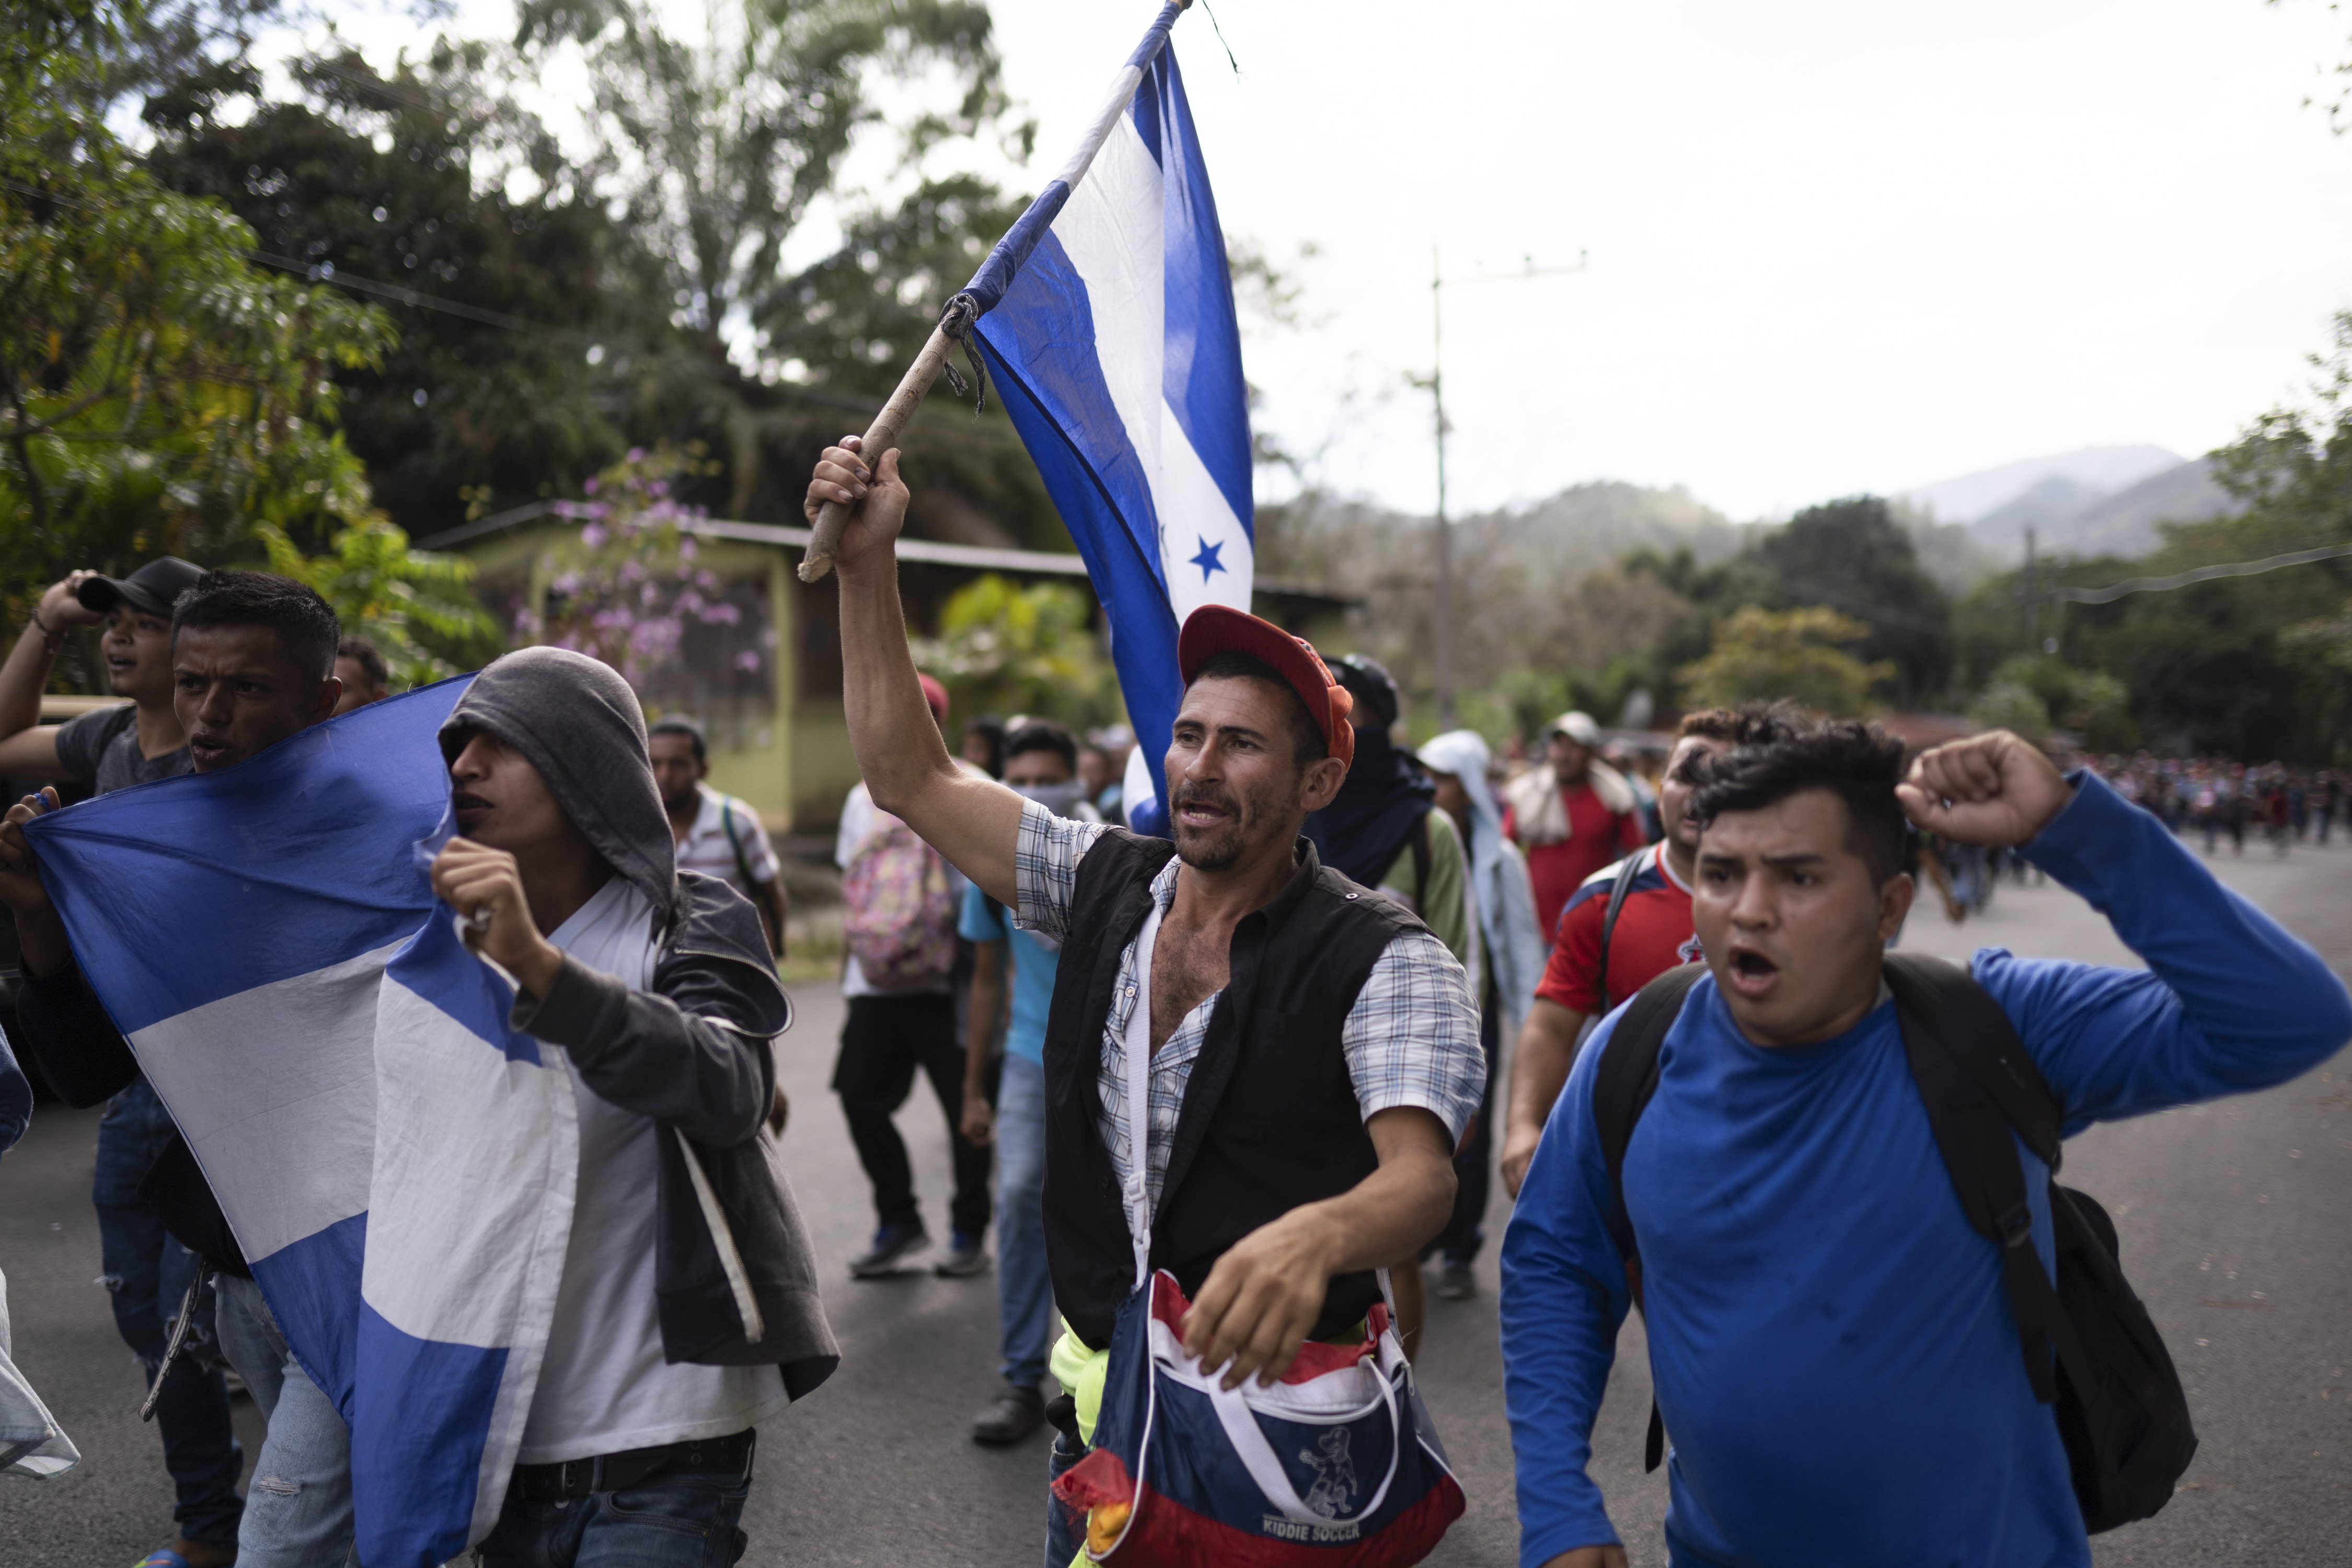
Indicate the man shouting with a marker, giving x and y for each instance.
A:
(1314, 1049)
(1835, 1357)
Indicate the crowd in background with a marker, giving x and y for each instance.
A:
(2216, 797)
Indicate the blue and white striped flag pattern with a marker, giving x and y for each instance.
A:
(1108, 318)
(398, 1167)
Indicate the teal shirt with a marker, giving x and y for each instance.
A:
(1033, 970)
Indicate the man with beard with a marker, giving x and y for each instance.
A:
(1610, 944)
(1313, 1050)
(716, 833)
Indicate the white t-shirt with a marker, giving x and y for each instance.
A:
(707, 848)
(604, 1386)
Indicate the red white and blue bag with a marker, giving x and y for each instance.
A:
(1335, 1465)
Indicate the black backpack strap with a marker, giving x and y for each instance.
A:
(1622, 1083)
(1624, 885)
(1979, 1085)
(1419, 843)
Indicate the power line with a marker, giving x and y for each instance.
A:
(2200, 574)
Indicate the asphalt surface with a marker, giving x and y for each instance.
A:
(2232, 1219)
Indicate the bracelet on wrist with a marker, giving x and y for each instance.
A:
(50, 636)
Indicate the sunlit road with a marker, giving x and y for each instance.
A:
(2233, 1220)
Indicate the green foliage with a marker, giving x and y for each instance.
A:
(1853, 556)
(1005, 649)
(713, 152)
(157, 392)
(405, 180)
(2008, 705)
(1800, 655)
(2101, 712)
(414, 605)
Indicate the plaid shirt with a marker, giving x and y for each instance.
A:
(1411, 1038)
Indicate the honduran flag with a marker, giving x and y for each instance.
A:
(1107, 320)
(396, 1166)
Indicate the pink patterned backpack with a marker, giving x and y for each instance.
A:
(901, 922)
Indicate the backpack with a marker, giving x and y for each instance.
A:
(2120, 1408)
(900, 925)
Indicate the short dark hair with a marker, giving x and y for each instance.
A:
(678, 724)
(1856, 761)
(1043, 736)
(1368, 680)
(370, 659)
(1752, 723)
(1308, 745)
(305, 625)
(990, 727)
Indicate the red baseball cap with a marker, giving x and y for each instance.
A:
(1213, 629)
(935, 696)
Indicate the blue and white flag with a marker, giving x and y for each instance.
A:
(1108, 318)
(396, 1166)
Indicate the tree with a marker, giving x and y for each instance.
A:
(157, 392)
(715, 153)
(410, 180)
(1853, 556)
(1006, 649)
(417, 608)
(1761, 654)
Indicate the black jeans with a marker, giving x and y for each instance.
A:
(1466, 1230)
(885, 1039)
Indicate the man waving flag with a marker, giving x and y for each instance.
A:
(1106, 313)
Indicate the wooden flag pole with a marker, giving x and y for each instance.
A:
(880, 437)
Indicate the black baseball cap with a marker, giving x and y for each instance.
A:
(150, 590)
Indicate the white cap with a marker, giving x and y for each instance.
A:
(1578, 727)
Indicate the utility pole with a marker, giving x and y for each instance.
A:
(2032, 595)
(1442, 622)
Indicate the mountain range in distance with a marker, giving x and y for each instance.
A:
(2096, 500)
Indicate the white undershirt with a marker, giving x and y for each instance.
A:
(604, 1386)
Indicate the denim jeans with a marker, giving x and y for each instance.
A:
(1025, 1292)
(1066, 1528)
(298, 1512)
(147, 1273)
(670, 1522)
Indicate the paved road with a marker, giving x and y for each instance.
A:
(2232, 1218)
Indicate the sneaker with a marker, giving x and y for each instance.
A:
(966, 1256)
(892, 1244)
(1456, 1282)
(1015, 1413)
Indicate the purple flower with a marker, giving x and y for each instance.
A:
(747, 661)
(590, 488)
(592, 536)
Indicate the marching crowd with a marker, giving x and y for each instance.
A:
(1241, 1089)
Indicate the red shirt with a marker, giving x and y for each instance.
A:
(1597, 837)
(1653, 934)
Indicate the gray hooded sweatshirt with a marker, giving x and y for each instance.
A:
(734, 1272)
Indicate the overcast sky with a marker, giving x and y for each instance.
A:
(1833, 245)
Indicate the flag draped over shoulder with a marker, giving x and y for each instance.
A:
(1107, 320)
(396, 1165)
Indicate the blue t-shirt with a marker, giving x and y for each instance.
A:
(984, 920)
(1832, 1351)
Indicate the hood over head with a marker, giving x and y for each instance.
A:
(578, 722)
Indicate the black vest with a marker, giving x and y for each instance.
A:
(1270, 1118)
